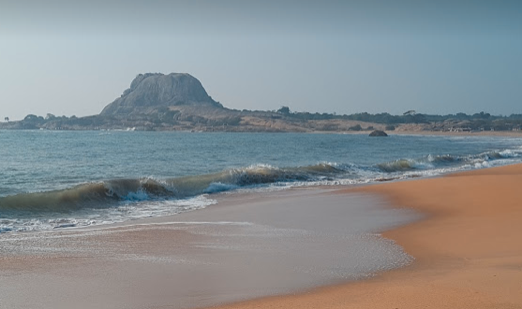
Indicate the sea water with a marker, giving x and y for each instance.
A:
(261, 239)
(62, 179)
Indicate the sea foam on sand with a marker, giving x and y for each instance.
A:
(249, 245)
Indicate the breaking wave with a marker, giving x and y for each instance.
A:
(89, 195)
(445, 161)
(123, 199)
(114, 192)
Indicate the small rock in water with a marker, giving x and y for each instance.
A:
(378, 133)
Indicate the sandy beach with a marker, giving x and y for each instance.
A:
(467, 251)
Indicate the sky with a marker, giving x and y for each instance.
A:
(436, 57)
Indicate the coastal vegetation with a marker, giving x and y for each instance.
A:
(274, 121)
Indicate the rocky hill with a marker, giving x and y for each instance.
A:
(178, 101)
(151, 91)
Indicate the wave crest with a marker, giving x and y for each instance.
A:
(117, 191)
(113, 192)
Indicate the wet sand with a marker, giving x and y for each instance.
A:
(247, 246)
(468, 251)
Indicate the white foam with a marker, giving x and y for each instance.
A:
(482, 164)
(232, 223)
(216, 187)
(509, 153)
(135, 207)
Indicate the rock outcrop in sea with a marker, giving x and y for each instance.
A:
(151, 91)
(378, 133)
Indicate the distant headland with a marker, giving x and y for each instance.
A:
(179, 102)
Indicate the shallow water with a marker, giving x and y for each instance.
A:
(249, 245)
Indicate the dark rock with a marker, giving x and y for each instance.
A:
(378, 133)
(151, 91)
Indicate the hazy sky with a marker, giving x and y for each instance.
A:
(70, 58)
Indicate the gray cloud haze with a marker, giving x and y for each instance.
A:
(74, 58)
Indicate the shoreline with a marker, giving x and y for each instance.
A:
(247, 246)
(466, 249)
(514, 134)
(466, 252)
(446, 133)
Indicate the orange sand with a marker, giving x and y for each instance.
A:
(468, 250)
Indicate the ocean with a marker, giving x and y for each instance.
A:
(63, 179)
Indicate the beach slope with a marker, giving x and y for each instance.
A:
(468, 249)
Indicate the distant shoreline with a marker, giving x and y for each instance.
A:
(179, 102)
(445, 133)
(363, 132)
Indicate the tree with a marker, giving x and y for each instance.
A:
(31, 117)
(461, 116)
(419, 118)
(284, 110)
(6, 119)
